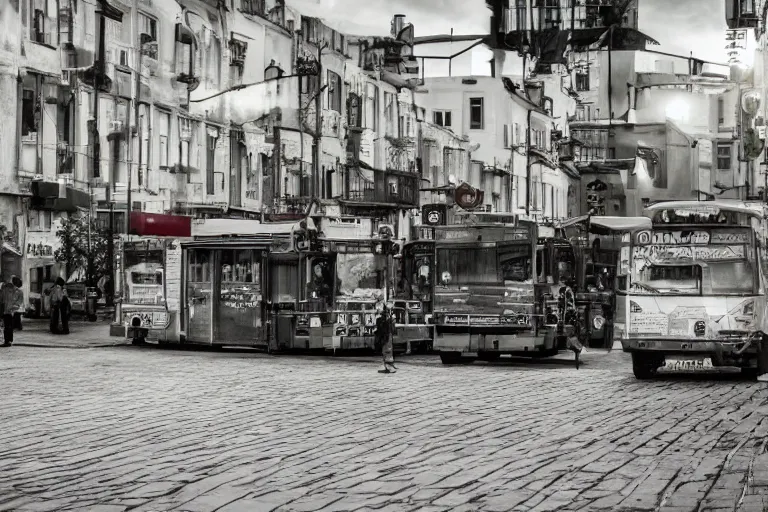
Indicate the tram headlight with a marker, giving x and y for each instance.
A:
(598, 322)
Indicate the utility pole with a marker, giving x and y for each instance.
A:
(318, 136)
(106, 11)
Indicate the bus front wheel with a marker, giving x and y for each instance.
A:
(644, 366)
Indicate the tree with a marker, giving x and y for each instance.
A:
(77, 253)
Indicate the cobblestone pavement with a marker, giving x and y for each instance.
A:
(152, 430)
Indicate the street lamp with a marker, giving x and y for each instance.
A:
(273, 71)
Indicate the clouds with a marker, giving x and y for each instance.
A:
(685, 26)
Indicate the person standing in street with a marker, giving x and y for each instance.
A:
(385, 325)
(20, 301)
(59, 308)
(10, 300)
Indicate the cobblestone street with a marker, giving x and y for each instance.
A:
(116, 429)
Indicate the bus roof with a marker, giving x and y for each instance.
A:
(602, 224)
(752, 208)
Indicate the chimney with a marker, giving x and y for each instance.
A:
(398, 22)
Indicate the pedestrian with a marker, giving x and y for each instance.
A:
(10, 300)
(59, 308)
(385, 326)
(20, 300)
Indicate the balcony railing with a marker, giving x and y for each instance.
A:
(389, 187)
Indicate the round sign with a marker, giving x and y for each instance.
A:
(433, 217)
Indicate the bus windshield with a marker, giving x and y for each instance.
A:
(484, 265)
(693, 270)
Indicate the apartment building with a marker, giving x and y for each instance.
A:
(515, 154)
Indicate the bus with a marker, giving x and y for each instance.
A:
(691, 289)
(483, 296)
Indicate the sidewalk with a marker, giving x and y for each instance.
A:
(81, 335)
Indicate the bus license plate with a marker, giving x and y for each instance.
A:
(704, 363)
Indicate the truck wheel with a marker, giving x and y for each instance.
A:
(454, 358)
(644, 366)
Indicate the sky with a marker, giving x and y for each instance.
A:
(681, 26)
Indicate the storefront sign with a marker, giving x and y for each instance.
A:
(240, 299)
(173, 275)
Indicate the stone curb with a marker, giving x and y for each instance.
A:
(45, 345)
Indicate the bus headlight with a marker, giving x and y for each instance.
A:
(598, 322)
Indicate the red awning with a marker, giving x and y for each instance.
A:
(156, 224)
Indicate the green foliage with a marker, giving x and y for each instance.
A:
(75, 250)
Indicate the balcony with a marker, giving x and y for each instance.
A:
(395, 188)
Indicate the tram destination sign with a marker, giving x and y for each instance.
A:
(482, 234)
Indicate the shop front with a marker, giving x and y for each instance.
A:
(223, 292)
(41, 270)
(232, 282)
(149, 275)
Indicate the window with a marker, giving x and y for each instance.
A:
(185, 139)
(582, 78)
(28, 119)
(210, 156)
(184, 58)
(163, 126)
(389, 113)
(442, 118)
(39, 220)
(476, 114)
(334, 91)
(148, 26)
(39, 18)
(253, 6)
(372, 107)
(724, 156)
(517, 134)
(508, 135)
(720, 111)
(549, 13)
(595, 144)
(65, 21)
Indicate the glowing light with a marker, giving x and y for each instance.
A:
(677, 110)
